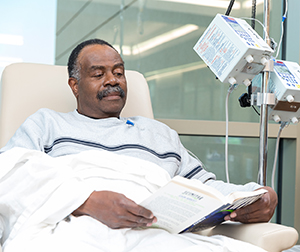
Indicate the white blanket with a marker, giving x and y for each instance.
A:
(37, 192)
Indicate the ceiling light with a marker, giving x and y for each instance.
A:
(164, 38)
(9, 39)
(209, 3)
(156, 41)
(126, 50)
(163, 73)
(248, 4)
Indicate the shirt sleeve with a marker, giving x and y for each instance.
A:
(28, 135)
(227, 188)
(193, 168)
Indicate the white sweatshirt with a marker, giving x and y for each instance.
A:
(59, 134)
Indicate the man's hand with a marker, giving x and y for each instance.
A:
(260, 211)
(115, 210)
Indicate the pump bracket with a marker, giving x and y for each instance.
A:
(259, 99)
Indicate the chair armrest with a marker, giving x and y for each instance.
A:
(269, 236)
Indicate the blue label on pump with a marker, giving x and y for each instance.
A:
(239, 30)
(285, 74)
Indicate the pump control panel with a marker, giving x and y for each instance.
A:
(233, 50)
(285, 84)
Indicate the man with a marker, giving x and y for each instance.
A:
(96, 77)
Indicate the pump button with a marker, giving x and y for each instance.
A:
(290, 98)
(295, 120)
(232, 80)
(249, 58)
(276, 118)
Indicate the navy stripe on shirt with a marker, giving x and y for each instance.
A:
(193, 172)
(48, 149)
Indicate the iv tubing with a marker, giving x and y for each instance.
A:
(283, 124)
(231, 88)
(282, 28)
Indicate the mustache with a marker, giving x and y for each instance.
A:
(111, 89)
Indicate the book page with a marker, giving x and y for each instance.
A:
(197, 185)
(239, 195)
(177, 206)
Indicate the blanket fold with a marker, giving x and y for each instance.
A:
(37, 192)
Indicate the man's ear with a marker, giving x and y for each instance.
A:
(73, 83)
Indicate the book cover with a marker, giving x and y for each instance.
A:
(185, 205)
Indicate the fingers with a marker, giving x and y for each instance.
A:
(260, 211)
(245, 215)
(132, 215)
(133, 221)
(138, 210)
(115, 210)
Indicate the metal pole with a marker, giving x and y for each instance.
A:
(263, 141)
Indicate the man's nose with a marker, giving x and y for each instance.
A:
(110, 79)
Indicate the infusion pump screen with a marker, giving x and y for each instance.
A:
(234, 24)
(285, 74)
(282, 69)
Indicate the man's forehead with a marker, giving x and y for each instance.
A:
(99, 55)
(96, 67)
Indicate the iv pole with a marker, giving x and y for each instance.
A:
(263, 141)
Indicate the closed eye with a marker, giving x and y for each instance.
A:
(119, 74)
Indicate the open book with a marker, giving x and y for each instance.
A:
(185, 205)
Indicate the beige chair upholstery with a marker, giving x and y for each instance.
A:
(269, 236)
(26, 87)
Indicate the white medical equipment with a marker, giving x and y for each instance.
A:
(236, 54)
(285, 84)
(233, 50)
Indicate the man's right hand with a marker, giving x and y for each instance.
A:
(115, 210)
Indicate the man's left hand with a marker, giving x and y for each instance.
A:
(260, 211)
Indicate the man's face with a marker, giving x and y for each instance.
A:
(101, 90)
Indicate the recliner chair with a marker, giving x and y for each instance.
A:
(27, 87)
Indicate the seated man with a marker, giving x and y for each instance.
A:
(96, 77)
